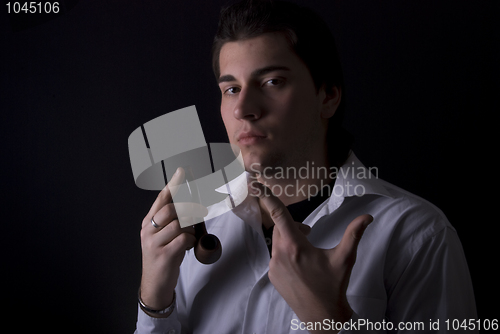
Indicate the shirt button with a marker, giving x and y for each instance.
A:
(172, 331)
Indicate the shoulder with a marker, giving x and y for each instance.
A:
(406, 220)
(407, 206)
(393, 206)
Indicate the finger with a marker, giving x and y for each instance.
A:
(173, 211)
(189, 229)
(178, 241)
(349, 244)
(305, 229)
(190, 242)
(166, 194)
(190, 213)
(280, 215)
(162, 218)
(170, 232)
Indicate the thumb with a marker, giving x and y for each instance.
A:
(349, 244)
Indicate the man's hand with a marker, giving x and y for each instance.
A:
(163, 247)
(312, 281)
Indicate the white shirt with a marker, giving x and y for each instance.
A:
(410, 268)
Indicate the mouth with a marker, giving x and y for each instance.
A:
(250, 138)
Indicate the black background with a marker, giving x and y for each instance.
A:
(421, 83)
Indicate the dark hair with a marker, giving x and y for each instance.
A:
(308, 36)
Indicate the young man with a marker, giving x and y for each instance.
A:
(362, 256)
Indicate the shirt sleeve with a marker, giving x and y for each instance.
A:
(434, 287)
(150, 325)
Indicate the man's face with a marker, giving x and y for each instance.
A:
(269, 105)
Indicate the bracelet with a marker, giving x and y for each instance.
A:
(156, 313)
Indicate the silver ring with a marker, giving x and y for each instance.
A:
(154, 224)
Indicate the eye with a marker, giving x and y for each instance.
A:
(231, 91)
(274, 82)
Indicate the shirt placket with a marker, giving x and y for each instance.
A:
(257, 309)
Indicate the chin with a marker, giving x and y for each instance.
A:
(256, 163)
(253, 164)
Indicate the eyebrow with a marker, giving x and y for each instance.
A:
(256, 73)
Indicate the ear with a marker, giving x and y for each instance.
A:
(330, 101)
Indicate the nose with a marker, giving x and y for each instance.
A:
(247, 107)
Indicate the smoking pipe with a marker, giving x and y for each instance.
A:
(208, 248)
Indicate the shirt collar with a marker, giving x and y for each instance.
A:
(354, 179)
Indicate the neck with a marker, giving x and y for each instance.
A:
(296, 183)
